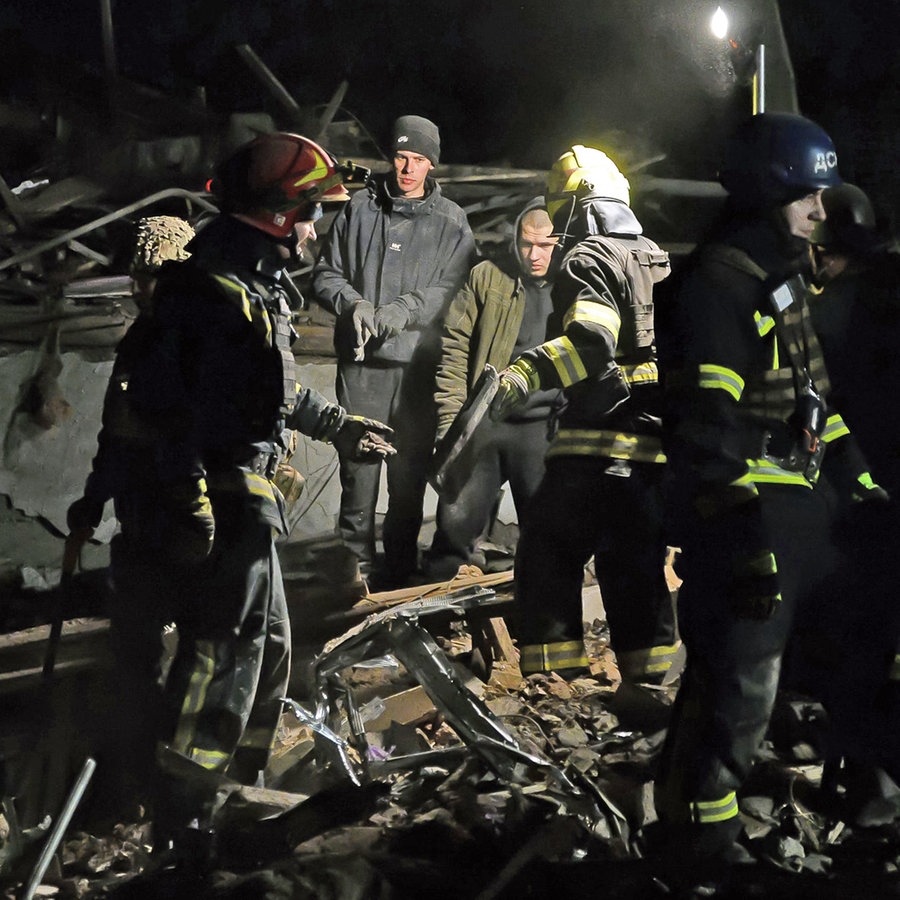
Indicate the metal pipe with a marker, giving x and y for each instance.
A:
(109, 44)
(274, 86)
(59, 829)
(331, 110)
(53, 243)
(759, 81)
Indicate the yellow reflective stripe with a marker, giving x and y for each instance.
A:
(316, 173)
(835, 428)
(209, 759)
(612, 444)
(587, 312)
(894, 671)
(764, 564)
(259, 486)
(257, 738)
(195, 696)
(233, 288)
(764, 324)
(647, 661)
(549, 657)
(707, 811)
(720, 378)
(641, 373)
(761, 471)
(566, 360)
(248, 308)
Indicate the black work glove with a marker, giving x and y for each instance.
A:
(192, 526)
(364, 439)
(84, 514)
(754, 592)
(391, 319)
(867, 491)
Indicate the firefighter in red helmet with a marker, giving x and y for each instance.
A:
(217, 389)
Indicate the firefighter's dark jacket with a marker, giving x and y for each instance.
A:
(604, 357)
(732, 386)
(216, 379)
(388, 249)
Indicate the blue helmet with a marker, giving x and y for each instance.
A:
(775, 158)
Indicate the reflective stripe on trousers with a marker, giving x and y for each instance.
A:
(551, 657)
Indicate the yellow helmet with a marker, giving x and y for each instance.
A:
(581, 170)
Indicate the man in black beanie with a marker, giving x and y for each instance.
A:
(393, 260)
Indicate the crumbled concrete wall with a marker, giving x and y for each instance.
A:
(43, 470)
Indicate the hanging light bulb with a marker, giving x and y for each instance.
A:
(719, 23)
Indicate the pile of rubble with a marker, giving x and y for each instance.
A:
(404, 774)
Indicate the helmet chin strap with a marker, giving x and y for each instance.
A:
(566, 236)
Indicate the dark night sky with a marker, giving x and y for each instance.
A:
(507, 81)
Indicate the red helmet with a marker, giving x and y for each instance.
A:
(275, 180)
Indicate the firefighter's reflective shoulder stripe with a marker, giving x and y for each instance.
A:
(255, 312)
(566, 360)
(705, 812)
(588, 313)
(835, 428)
(552, 657)
(612, 444)
(713, 377)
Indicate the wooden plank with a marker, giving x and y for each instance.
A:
(467, 577)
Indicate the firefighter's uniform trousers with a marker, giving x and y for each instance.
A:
(568, 524)
(733, 664)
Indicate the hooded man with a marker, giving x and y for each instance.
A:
(394, 258)
(600, 495)
(502, 311)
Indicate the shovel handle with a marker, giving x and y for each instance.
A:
(71, 554)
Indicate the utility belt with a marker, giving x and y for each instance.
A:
(800, 460)
(265, 464)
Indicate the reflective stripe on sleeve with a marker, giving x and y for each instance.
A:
(835, 428)
(589, 313)
(720, 378)
(706, 812)
(643, 373)
(611, 444)
(566, 360)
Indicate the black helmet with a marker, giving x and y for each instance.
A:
(850, 225)
(775, 158)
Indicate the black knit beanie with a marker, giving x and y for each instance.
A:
(417, 135)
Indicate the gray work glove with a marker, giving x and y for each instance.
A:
(391, 319)
(363, 318)
(516, 383)
(364, 440)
